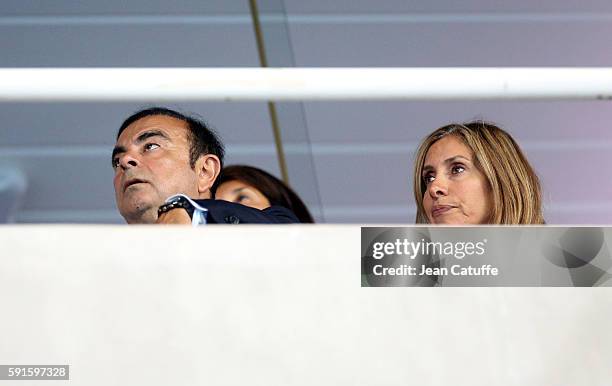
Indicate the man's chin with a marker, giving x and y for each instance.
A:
(141, 213)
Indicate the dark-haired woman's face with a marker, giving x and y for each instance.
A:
(456, 192)
(242, 193)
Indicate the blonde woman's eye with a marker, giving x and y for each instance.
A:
(458, 169)
(428, 179)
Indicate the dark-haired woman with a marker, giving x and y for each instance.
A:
(259, 189)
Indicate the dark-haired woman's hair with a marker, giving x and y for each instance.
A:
(275, 190)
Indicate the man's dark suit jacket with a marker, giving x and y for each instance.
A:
(225, 212)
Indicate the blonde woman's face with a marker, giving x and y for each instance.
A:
(242, 193)
(456, 191)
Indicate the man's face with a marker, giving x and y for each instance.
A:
(151, 163)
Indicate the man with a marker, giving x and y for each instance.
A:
(165, 164)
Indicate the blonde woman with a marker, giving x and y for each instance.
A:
(475, 173)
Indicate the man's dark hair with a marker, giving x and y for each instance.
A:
(203, 139)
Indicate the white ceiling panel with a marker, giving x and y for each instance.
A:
(595, 216)
(571, 179)
(364, 179)
(467, 6)
(453, 44)
(65, 182)
(117, 7)
(390, 122)
(28, 125)
(574, 176)
(362, 150)
(143, 45)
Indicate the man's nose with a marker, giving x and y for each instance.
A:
(438, 187)
(128, 161)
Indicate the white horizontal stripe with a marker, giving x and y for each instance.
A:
(77, 216)
(56, 151)
(305, 18)
(410, 210)
(564, 145)
(320, 149)
(353, 211)
(514, 17)
(352, 148)
(106, 151)
(579, 207)
(298, 84)
(86, 20)
(401, 212)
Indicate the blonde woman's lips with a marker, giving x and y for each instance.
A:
(439, 210)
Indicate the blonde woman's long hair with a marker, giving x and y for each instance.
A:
(515, 188)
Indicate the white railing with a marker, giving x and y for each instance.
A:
(292, 84)
(147, 305)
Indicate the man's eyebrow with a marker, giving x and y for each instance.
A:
(151, 133)
(447, 161)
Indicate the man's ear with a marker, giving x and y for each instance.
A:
(208, 167)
